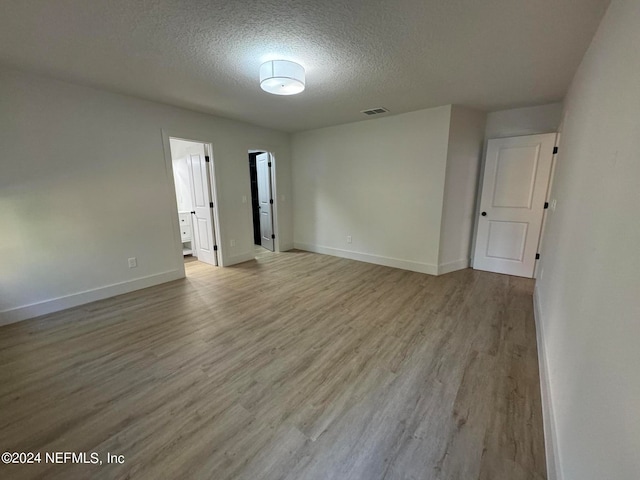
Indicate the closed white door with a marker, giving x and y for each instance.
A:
(202, 215)
(265, 200)
(514, 191)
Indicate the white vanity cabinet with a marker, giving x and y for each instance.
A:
(186, 233)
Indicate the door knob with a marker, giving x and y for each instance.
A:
(484, 214)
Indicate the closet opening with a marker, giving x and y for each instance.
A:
(196, 203)
(262, 168)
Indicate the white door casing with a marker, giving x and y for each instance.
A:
(211, 192)
(202, 221)
(265, 200)
(514, 190)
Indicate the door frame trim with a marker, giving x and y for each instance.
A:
(545, 213)
(173, 205)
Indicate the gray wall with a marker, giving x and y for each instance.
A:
(588, 292)
(84, 185)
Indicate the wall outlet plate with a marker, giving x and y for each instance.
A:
(348, 238)
(133, 262)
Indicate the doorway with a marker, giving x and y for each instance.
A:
(194, 182)
(263, 206)
(514, 196)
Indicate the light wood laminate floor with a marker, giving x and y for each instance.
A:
(295, 366)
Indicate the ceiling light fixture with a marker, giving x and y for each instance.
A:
(282, 77)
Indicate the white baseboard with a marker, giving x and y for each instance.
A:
(73, 300)
(453, 266)
(243, 257)
(247, 256)
(366, 257)
(550, 435)
(286, 247)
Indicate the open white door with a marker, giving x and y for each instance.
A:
(265, 200)
(202, 214)
(514, 190)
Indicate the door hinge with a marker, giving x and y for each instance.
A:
(546, 205)
(273, 236)
(269, 164)
(206, 158)
(537, 256)
(271, 201)
(555, 150)
(210, 204)
(215, 248)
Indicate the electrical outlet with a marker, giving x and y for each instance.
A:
(133, 262)
(244, 199)
(553, 205)
(232, 243)
(348, 238)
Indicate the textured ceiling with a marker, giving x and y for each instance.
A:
(401, 54)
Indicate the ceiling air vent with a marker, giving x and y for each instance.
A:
(375, 111)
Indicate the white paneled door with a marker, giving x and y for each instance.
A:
(203, 231)
(265, 200)
(514, 191)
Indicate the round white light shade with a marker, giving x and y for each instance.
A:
(282, 77)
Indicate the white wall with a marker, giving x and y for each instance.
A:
(524, 121)
(588, 290)
(183, 187)
(180, 149)
(466, 136)
(84, 185)
(380, 181)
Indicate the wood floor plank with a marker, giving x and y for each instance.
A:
(295, 366)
